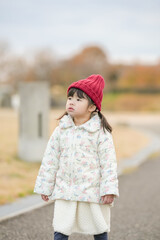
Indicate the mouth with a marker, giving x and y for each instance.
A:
(70, 109)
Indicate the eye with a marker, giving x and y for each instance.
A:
(78, 99)
(69, 98)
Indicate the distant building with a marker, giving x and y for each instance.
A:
(6, 92)
(15, 101)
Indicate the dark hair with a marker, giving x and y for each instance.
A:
(81, 94)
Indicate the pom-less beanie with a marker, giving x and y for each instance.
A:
(93, 86)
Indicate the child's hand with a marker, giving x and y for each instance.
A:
(107, 199)
(45, 197)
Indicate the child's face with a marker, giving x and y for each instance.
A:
(77, 107)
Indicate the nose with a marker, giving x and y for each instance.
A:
(71, 103)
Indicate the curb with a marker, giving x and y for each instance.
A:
(29, 203)
(21, 206)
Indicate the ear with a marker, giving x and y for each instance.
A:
(92, 108)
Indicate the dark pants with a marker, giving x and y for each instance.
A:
(60, 236)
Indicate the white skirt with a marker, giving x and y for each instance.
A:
(80, 217)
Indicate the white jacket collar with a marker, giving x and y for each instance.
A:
(92, 125)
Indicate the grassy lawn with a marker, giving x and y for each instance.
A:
(131, 102)
(17, 177)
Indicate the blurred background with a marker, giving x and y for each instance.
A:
(59, 42)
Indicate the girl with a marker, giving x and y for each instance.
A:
(79, 168)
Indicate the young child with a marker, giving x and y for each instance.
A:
(79, 168)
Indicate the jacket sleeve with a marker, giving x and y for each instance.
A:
(108, 165)
(47, 173)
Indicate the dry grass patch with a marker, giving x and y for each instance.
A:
(128, 141)
(17, 177)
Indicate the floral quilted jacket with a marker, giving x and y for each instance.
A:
(79, 163)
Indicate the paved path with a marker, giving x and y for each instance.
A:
(136, 215)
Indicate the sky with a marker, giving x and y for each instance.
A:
(128, 31)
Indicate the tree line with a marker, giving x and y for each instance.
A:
(44, 65)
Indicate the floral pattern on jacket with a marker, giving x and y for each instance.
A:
(79, 163)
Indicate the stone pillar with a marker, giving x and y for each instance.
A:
(33, 120)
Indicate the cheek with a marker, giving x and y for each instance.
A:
(84, 107)
(66, 103)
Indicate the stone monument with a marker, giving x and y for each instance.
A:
(33, 120)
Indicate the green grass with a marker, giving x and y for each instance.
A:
(131, 102)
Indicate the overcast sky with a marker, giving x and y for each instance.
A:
(126, 30)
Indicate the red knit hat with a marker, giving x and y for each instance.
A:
(92, 86)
